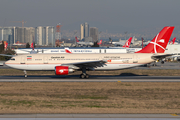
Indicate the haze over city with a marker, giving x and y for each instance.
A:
(137, 17)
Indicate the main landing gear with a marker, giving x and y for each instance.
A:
(25, 73)
(84, 75)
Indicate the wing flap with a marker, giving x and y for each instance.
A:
(155, 57)
(88, 64)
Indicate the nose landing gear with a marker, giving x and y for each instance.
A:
(25, 73)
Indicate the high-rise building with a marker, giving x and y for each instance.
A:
(29, 34)
(50, 35)
(84, 30)
(94, 34)
(7, 34)
(38, 35)
(45, 35)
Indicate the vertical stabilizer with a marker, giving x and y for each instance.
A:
(128, 42)
(160, 41)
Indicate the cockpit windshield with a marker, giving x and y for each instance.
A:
(12, 59)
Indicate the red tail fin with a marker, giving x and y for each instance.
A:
(67, 50)
(32, 45)
(160, 41)
(127, 44)
(100, 42)
(76, 39)
(174, 39)
(5, 45)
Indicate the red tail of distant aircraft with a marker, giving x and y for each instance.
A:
(173, 40)
(5, 45)
(160, 41)
(127, 44)
(32, 45)
(100, 42)
(76, 39)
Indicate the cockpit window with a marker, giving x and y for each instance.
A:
(12, 59)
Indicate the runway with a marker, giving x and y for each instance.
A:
(101, 78)
(89, 116)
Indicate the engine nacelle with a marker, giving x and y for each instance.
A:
(63, 70)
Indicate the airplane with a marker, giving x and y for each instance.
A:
(63, 64)
(122, 43)
(80, 44)
(173, 41)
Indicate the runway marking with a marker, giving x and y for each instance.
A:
(174, 114)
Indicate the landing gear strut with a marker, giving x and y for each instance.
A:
(25, 74)
(154, 63)
(84, 75)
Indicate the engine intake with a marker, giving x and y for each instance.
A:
(62, 70)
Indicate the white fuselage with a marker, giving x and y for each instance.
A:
(49, 61)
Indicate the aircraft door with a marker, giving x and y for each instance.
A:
(22, 60)
(45, 60)
(135, 59)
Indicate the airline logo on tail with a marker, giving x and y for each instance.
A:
(127, 44)
(100, 42)
(160, 41)
(76, 39)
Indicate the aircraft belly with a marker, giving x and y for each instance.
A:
(34, 67)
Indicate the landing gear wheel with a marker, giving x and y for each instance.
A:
(25, 73)
(25, 76)
(87, 76)
(82, 76)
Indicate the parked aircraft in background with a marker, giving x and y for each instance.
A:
(121, 43)
(80, 44)
(63, 64)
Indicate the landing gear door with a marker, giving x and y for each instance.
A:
(22, 60)
(45, 60)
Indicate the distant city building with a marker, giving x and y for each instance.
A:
(50, 35)
(39, 35)
(84, 30)
(29, 34)
(94, 33)
(88, 39)
(45, 35)
(7, 34)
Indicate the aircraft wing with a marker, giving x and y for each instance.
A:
(155, 57)
(7, 55)
(89, 64)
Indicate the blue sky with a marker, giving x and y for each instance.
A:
(116, 16)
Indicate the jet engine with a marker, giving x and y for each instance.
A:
(63, 70)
